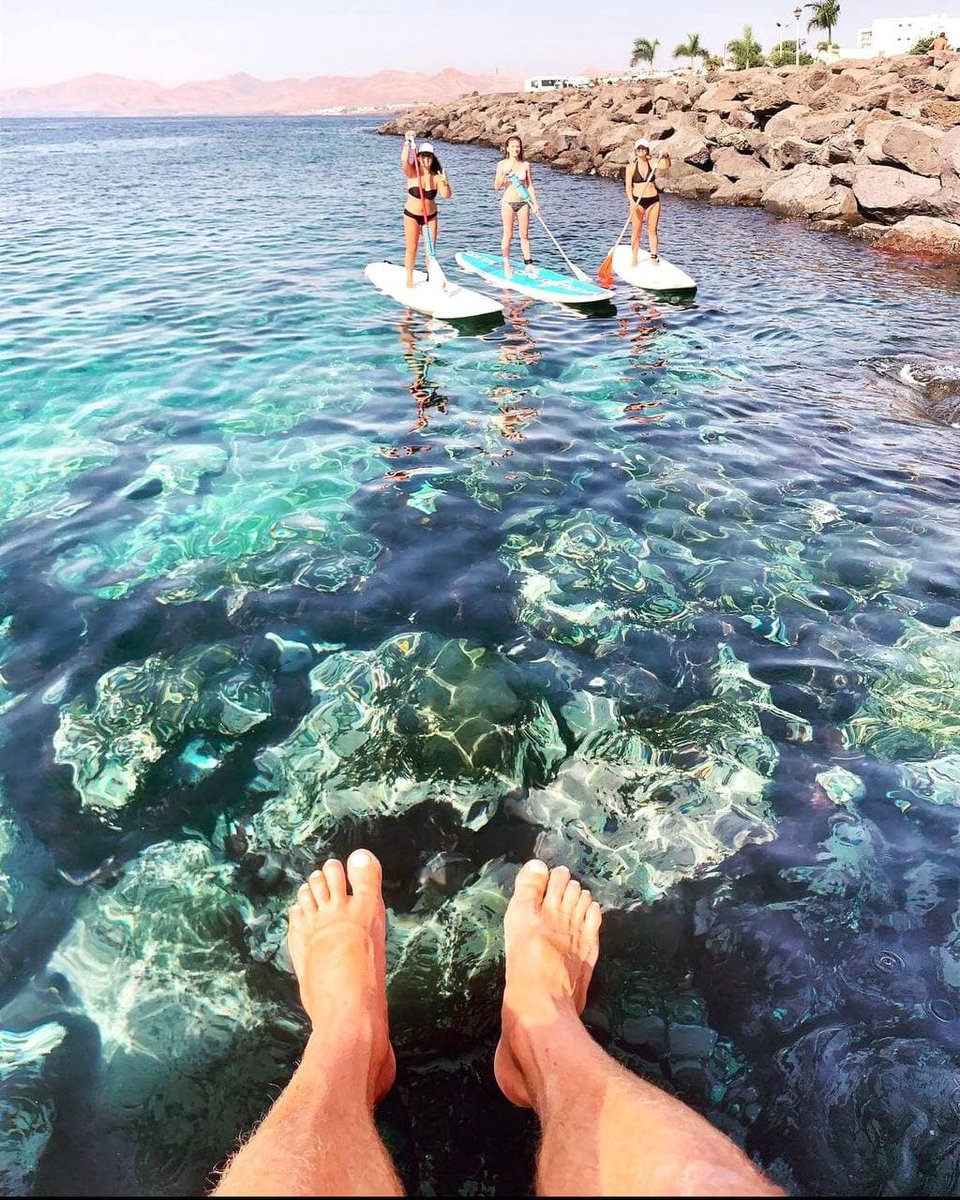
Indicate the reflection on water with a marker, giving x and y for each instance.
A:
(668, 595)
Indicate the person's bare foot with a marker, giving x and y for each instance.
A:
(338, 947)
(552, 939)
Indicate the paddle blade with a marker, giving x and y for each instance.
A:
(605, 273)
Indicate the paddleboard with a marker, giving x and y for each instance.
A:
(660, 276)
(540, 283)
(449, 302)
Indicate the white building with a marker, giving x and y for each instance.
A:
(898, 35)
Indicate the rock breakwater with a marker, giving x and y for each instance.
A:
(866, 147)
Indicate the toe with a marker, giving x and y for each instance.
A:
(584, 900)
(336, 879)
(364, 873)
(531, 883)
(591, 923)
(305, 899)
(559, 878)
(571, 897)
(318, 888)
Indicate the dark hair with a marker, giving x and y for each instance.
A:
(434, 167)
(511, 138)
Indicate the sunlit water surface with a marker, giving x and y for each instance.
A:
(670, 596)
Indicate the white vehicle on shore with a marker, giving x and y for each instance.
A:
(544, 83)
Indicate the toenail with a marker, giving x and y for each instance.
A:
(315, 874)
(536, 864)
(360, 858)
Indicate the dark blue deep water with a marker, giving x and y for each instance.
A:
(669, 595)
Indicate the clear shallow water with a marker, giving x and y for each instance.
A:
(671, 597)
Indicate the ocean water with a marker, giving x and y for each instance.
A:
(669, 595)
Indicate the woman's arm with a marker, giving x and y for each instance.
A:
(443, 185)
(663, 162)
(628, 182)
(499, 182)
(408, 169)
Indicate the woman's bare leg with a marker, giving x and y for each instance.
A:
(606, 1132)
(507, 215)
(653, 222)
(411, 231)
(637, 217)
(319, 1138)
(524, 220)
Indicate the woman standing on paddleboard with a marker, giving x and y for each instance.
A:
(515, 207)
(644, 197)
(426, 178)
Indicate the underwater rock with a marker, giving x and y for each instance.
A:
(142, 711)
(27, 1107)
(276, 513)
(877, 1114)
(933, 387)
(587, 580)
(912, 710)
(631, 813)
(189, 1050)
(418, 718)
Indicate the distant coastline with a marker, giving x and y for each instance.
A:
(244, 95)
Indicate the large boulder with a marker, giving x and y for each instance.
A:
(942, 112)
(927, 236)
(950, 157)
(719, 98)
(746, 192)
(692, 184)
(901, 143)
(889, 194)
(781, 153)
(951, 82)
(818, 127)
(733, 164)
(809, 191)
(946, 202)
(687, 146)
(787, 121)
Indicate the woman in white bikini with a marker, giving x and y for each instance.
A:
(418, 212)
(514, 207)
(644, 197)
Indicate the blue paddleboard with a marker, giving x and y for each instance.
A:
(540, 283)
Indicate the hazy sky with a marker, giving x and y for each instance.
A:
(174, 41)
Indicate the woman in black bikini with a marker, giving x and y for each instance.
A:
(415, 215)
(644, 197)
(513, 207)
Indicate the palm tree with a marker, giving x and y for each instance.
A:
(826, 13)
(692, 48)
(745, 50)
(643, 51)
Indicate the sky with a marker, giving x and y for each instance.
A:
(176, 41)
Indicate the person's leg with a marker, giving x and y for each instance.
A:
(319, 1138)
(411, 232)
(606, 1132)
(653, 221)
(636, 215)
(524, 221)
(506, 214)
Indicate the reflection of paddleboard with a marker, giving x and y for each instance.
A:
(661, 276)
(541, 283)
(449, 302)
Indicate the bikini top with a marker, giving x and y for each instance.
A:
(428, 193)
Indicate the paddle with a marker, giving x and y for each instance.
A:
(434, 270)
(605, 274)
(525, 195)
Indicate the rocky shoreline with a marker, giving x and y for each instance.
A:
(870, 148)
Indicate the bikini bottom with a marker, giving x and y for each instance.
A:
(648, 201)
(420, 218)
(516, 205)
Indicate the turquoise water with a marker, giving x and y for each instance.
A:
(670, 596)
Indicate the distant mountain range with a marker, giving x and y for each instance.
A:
(243, 95)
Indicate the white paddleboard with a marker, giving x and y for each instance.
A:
(540, 283)
(448, 302)
(659, 276)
